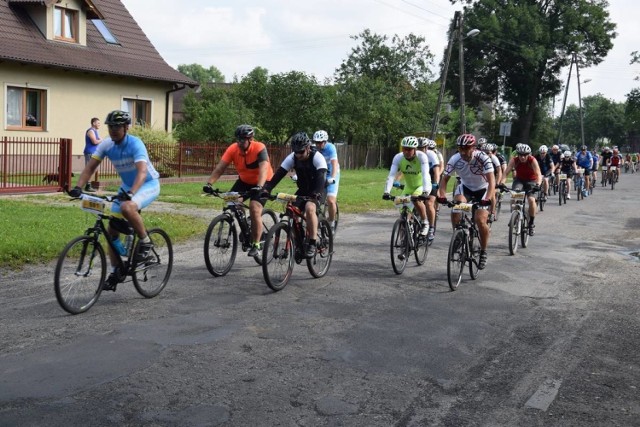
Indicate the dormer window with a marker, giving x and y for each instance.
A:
(65, 24)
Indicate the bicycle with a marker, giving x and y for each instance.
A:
(541, 199)
(405, 235)
(563, 188)
(82, 265)
(285, 244)
(579, 183)
(499, 196)
(613, 176)
(221, 239)
(519, 221)
(464, 247)
(324, 212)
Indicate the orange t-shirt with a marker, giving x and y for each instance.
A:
(247, 163)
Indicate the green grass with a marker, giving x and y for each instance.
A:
(34, 229)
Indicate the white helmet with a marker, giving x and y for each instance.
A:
(409, 142)
(320, 136)
(543, 149)
(567, 153)
(555, 147)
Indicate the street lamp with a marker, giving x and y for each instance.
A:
(457, 33)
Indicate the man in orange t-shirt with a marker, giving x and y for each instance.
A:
(251, 160)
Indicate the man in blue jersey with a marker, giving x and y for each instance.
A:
(140, 183)
(584, 159)
(328, 150)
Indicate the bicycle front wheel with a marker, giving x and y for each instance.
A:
(80, 273)
(399, 246)
(421, 248)
(269, 219)
(151, 276)
(514, 231)
(220, 245)
(277, 256)
(456, 258)
(524, 230)
(321, 261)
(474, 250)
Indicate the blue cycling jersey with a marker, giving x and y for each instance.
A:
(329, 153)
(124, 157)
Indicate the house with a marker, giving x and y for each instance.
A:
(62, 63)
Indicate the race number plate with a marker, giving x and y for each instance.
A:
(517, 195)
(231, 196)
(562, 176)
(612, 168)
(403, 201)
(285, 198)
(580, 171)
(94, 205)
(462, 207)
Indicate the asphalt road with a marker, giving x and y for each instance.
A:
(549, 336)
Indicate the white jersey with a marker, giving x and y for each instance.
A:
(433, 159)
(495, 161)
(471, 173)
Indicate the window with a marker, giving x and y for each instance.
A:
(25, 108)
(104, 30)
(65, 24)
(140, 111)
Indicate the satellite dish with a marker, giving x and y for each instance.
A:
(50, 2)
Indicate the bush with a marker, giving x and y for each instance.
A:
(158, 142)
(152, 136)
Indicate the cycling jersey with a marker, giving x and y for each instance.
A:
(124, 157)
(330, 153)
(471, 173)
(606, 156)
(545, 163)
(616, 159)
(584, 160)
(311, 173)
(524, 169)
(566, 165)
(247, 162)
(415, 173)
(555, 157)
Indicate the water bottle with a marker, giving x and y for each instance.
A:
(128, 241)
(117, 244)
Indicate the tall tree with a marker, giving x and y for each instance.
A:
(523, 47)
(200, 74)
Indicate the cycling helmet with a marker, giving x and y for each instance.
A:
(300, 141)
(567, 153)
(431, 144)
(409, 142)
(543, 149)
(584, 147)
(555, 147)
(422, 142)
(523, 149)
(320, 136)
(118, 118)
(606, 148)
(466, 140)
(482, 140)
(244, 131)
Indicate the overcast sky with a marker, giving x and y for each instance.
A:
(314, 35)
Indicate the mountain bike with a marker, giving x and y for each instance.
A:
(613, 176)
(324, 213)
(405, 235)
(499, 196)
(82, 265)
(286, 240)
(519, 221)
(464, 247)
(221, 239)
(563, 188)
(579, 183)
(605, 176)
(541, 199)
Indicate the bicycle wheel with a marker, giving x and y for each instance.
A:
(560, 192)
(399, 246)
(151, 276)
(269, 219)
(524, 230)
(80, 273)
(514, 231)
(456, 258)
(474, 250)
(321, 261)
(498, 206)
(565, 191)
(220, 245)
(278, 256)
(579, 195)
(613, 180)
(541, 200)
(421, 248)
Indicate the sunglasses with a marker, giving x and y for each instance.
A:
(115, 127)
(300, 152)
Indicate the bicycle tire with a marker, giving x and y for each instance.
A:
(319, 264)
(152, 276)
(220, 245)
(421, 249)
(579, 195)
(613, 181)
(77, 280)
(541, 200)
(474, 250)
(399, 246)
(325, 214)
(269, 219)
(514, 230)
(456, 258)
(278, 256)
(560, 192)
(524, 230)
(498, 207)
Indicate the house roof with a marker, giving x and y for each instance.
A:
(21, 41)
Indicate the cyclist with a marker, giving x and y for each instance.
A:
(487, 147)
(594, 169)
(251, 160)
(311, 170)
(328, 150)
(428, 146)
(477, 183)
(616, 160)
(634, 161)
(546, 168)
(556, 155)
(527, 178)
(140, 184)
(500, 156)
(584, 159)
(414, 165)
(568, 166)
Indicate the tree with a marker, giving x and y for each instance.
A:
(200, 74)
(603, 118)
(523, 47)
(632, 113)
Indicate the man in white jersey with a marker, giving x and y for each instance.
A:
(477, 184)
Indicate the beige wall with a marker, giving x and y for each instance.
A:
(74, 98)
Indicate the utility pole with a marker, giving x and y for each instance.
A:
(579, 100)
(463, 118)
(564, 100)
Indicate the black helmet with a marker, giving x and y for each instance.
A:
(118, 118)
(244, 131)
(300, 141)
